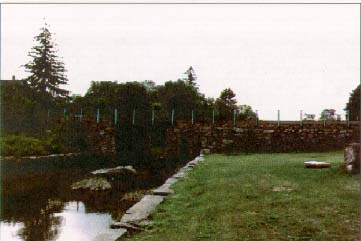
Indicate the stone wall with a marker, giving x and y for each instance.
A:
(100, 137)
(247, 136)
(269, 136)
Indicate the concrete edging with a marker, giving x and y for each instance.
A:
(139, 213)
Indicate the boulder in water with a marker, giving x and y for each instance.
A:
(92, 184)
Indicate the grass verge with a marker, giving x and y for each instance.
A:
(260, 197)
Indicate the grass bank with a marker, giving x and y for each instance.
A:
(260, 197)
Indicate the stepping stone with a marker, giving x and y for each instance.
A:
(163, 190)
(317, 164)
(141, 210)
(110, 234)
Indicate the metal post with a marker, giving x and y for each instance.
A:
(234, 117)
(324, 122)
(213, 117)
(192, 117)
(98, 115)
(152, 117)
(257, 117)
(172, 117)
(115, 116)
(133, 121)
(64, 113)
(348, 118)
(278, 117)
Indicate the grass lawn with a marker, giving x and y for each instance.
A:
(260, 197)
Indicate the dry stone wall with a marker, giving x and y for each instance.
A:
(273, 136)
(247, 136)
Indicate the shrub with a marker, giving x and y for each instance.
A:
(21, 145)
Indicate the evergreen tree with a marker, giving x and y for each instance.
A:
(46, 71)
(191, 76)
(353, 105)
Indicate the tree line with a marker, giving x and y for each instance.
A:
(30, 102)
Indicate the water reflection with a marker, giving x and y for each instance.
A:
(79, 225)
(71, 223)
(42, 207)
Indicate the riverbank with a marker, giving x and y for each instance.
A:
(260, 196)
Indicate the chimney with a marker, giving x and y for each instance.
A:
(13, 77)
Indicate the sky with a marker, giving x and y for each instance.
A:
(286, 57)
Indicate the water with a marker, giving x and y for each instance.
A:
(72, 223)
(42, 206)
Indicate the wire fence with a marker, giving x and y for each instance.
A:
(37, 121)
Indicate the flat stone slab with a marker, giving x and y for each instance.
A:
(118, 169)
(163, 190)
(171, 181)
(141, 210)
(179, 175)
(317, 164)
(110, 234)
(127, 226)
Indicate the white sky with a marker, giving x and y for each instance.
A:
(287, 57)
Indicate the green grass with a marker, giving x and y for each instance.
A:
(234, 198)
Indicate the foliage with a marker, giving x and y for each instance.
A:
(191, 77)
(21, 145)
(180, 97)
(245, 112)
(353, 105)
(46, 71)
(262, 197)
(226, 104)
(328, 114)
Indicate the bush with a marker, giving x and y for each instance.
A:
(21, 145)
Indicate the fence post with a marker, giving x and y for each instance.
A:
(172, 117)
(133, 119)
(213, 117)
(153, 117)
(98, 115)
(81, 115)
(115, 116)
(348, 118)
(234, 117)
(256, 117)
(278, 117)
(192, 117)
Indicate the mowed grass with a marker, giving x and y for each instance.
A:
(260, 197)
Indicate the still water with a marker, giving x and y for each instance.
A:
(42, 207)
(71, 223)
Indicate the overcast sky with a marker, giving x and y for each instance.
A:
(287, 57)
